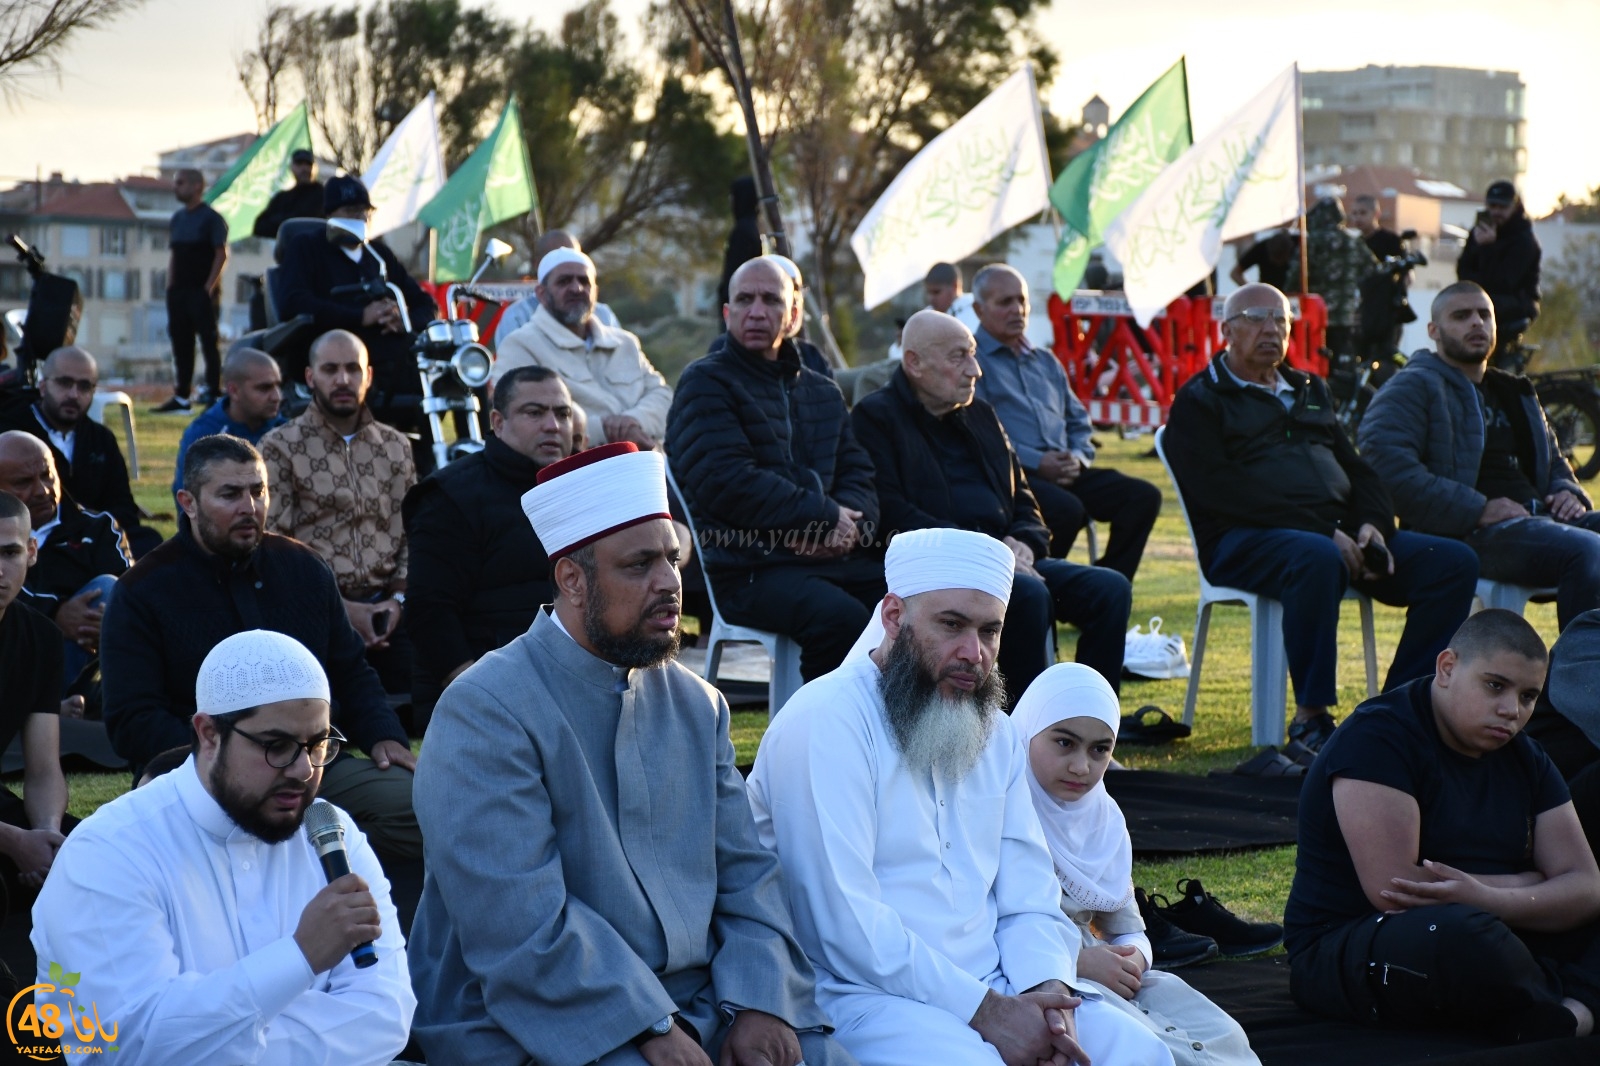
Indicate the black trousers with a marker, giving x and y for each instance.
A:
(193, 313)
(1450, 966)
(14, 896)
(1092, 598)
(1128, 504)
(823, 606)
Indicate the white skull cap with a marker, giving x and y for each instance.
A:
(255, 668)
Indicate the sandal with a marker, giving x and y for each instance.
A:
(1150, 725)
(1269, 762)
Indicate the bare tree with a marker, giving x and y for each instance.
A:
(262, 68)
(33, 32)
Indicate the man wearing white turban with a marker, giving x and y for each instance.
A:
(895, 793)
(195, 916)
(605, 367)
(595, 890)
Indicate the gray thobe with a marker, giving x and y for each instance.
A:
(592, 864)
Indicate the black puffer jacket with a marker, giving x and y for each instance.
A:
(1242, 459)
(913, 489)
(764, 454)
(85, 545)
(1507, 268)
(478, 574)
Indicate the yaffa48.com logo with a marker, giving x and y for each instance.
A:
(41, 1030)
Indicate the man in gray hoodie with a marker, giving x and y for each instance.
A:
(1466, 452)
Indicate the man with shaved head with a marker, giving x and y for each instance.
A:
(252, 392)
(87, 455)
(80, 553)
(1050, 429)
(942, 460)
(1466, 452)
(1282, 506)
(198, 239)
(517, 315)
(781, 492)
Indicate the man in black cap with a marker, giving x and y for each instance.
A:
(1502, 255)
(314, 264)
(302, 200)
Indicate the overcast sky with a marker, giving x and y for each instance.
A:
(164, 76)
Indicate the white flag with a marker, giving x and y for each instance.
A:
(974, 181)
(407, 172)
(1246, 176)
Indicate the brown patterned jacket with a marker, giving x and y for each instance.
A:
(342, 498)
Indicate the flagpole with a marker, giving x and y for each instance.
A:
(1044, 143)
(433, 255)
(1300, 155)
(766, 189)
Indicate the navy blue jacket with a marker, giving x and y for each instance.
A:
(765, 456)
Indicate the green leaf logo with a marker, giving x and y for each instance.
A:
(55, 973)
(61, 978)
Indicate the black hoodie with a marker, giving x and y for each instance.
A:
(1507, 268)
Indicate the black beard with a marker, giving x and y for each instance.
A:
(910, 692)
(247, 815)
(1457, 352)
(216, 540)
(636, 649)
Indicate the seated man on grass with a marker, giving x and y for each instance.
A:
(1442, 877)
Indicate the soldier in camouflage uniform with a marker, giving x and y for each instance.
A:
(1337, 262)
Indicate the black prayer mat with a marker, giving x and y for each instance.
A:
(1256, 993)
(1186, 814)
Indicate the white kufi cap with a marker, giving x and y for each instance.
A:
(255, 668)
(930, 560)
(561, 257)
(594, 494)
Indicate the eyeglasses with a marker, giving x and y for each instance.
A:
(73, 384)
(284, 752)
(1260, 316)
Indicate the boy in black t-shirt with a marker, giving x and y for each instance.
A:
(30, 683)
(1439, 856)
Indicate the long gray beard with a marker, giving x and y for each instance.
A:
(934, 732)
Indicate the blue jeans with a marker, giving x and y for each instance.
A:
(1540, 552)
(1435, 577)
(1094, 599)
(73, 657)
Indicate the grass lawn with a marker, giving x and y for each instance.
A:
(1254, 883)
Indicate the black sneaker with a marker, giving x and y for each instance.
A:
(1197, 911)
(1313, 732)
(1172, 946)
(177, 403)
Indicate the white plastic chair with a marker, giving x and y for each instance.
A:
(1269, 662)
(97, 411)
(1510, 597)
(783, 653)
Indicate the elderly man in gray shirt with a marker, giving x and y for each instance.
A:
(1050, 430)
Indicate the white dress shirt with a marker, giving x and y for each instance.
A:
(181, 926)
(906, 884)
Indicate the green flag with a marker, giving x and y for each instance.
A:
(1102, 181)
(241, 194)
(494, 184)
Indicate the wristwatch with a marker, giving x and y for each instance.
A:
(661, 1028)
(398, 597)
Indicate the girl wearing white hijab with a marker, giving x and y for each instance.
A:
(1069, 718)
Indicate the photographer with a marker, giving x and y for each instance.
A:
(315, 264)
(1503, 255)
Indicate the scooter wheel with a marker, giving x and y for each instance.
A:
(1574, 413)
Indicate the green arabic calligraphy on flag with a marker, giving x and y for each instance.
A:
(1104, 179)
(242, 193)
(494, 184)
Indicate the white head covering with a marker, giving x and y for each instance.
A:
(1088, 837)
(255, 668)
(594, 494)
(561, 257)
(929, 560)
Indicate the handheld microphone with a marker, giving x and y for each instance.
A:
(326, 834)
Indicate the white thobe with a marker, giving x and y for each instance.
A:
(915, 895)
(181, 926)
